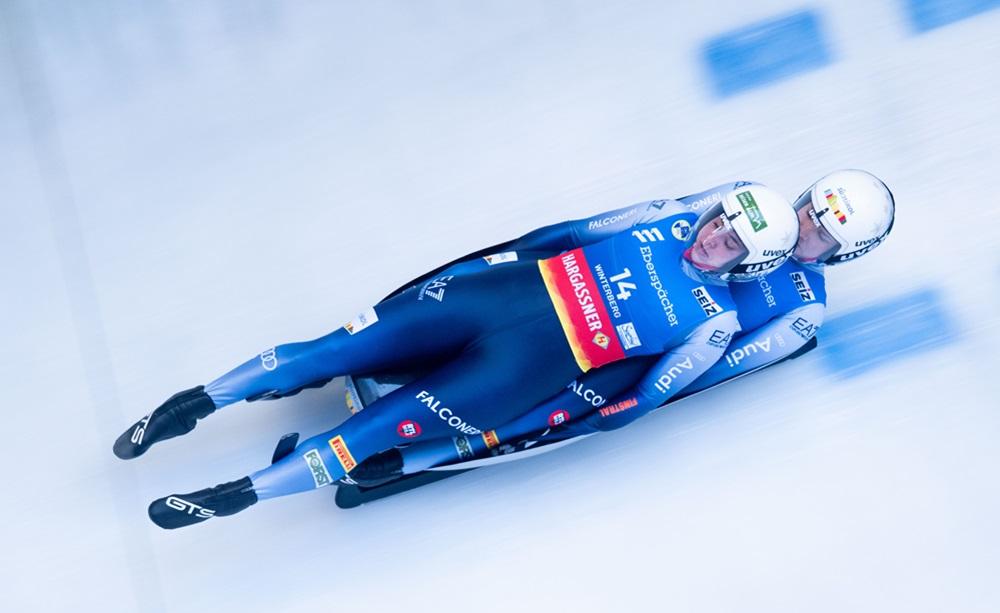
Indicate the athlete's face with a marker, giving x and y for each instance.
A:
(717, 246)
(814, 240)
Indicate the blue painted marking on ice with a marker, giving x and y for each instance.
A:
(930, 14)
(853, 342)
(766, 52)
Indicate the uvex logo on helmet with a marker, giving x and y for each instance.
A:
(843, 257)
(759, 267)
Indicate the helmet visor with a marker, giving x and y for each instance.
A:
(716, 246)
(816, 244)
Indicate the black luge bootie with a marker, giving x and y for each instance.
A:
(174, 417)
(182, 510)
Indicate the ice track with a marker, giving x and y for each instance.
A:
(186, 184)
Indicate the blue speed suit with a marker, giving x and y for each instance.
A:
(501, 336)
(777, 313)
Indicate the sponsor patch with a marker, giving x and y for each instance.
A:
(321, 476)
(803, 328)
(558, 417)
(667, 379)
(709, 199)
(269, 359)
(362, 321)
(834, 204)
(463, 447)
(618, 407)
(179, 504)
(628, 335)
(734, 357)
(342, 453)
(446, 414)
(705, 301)
(435, 289)
(648, 235)
(408, 429)
(501, 258)
(140, 430)
(351, 397)
(602, 340)
(720, 339)
(681, 229)
(586, 393)
(767, 292)
(575, 295)
(491, 439)
(746, 200)
(611, 219)
(657, 285)
(802, 286)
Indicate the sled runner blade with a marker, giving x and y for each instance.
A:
(351, 496)
(286, 445)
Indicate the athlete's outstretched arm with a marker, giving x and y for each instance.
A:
(678, 368)
(578, 232)
(701, 200)
(778, 338)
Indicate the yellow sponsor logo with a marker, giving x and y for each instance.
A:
(491, 439)
(601, 340)
(343, 454)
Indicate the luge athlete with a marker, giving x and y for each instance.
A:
(504, 339)
(843, 216)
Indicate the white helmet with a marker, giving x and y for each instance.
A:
(748, 234)
(853, 211)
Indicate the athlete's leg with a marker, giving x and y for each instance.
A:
(423, 323)
(491, 382)
(582, 396)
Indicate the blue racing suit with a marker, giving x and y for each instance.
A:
(777, 314)
(502, 335)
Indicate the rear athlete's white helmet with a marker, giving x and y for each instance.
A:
(843, 216)
(749, 233)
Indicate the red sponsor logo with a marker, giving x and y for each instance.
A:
(618, 407)
(491, 439)
(342, 453)
(408, 429)
(581, 309)
(558, 417)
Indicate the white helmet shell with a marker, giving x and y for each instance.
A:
(766, 223)
(855, 207)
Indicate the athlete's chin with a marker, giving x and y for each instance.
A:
(699, 257)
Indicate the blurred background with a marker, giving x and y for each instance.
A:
(183, 184)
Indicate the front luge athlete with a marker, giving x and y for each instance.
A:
(506, 338)
(843, 216)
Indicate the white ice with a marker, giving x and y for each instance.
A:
(183, 184)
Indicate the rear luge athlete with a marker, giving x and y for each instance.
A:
(507, 338)
(842, 216)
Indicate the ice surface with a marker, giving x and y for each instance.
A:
(185, 184)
